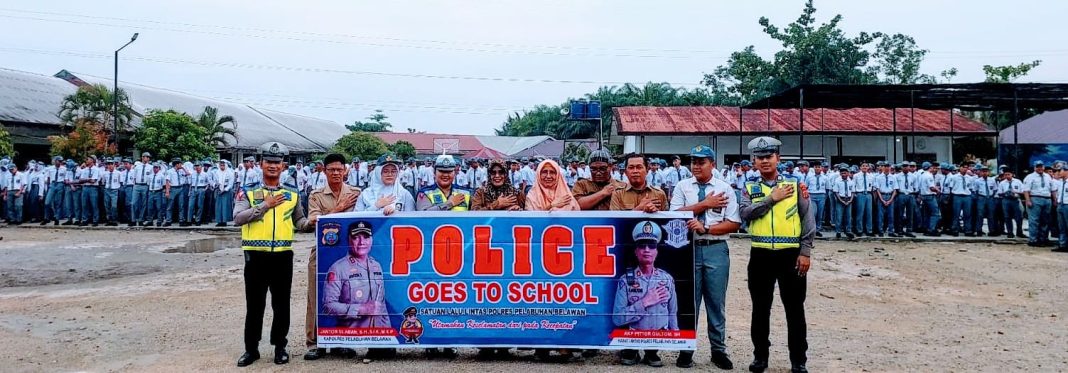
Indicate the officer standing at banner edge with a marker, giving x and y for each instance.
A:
(781, 227)
(268, 216)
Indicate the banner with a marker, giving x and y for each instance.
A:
(602, 280)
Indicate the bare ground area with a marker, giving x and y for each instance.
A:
(118, 300)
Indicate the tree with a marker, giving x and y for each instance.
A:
(376, 123)
(1008, 73)
(811, 54)
(215, 129)
(87, 138)
(360, 144)
(169, 134)
(575, 151)
(899, 60)
(91, 107)
(6, 147)
(402, 149)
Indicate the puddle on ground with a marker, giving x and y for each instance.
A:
(205, 245)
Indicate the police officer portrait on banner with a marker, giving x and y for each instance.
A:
(645, 295)
(354, 290)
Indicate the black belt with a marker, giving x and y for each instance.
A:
(1040, 197)
(703, 242)
(140, 183)
(200, 187)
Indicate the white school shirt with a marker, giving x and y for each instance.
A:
(1038, 185)
(844, 188)
(686, 193)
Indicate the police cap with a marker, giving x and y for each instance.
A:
(388, 157)
(445, 162)
(646, 231)
(273, 151)
(762, 146)
(410, 311)
(360, 227)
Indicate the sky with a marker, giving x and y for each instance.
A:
(462, 67)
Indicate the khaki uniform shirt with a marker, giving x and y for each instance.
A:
(586, 187)
(629, 198)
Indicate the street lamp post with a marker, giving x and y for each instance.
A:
(115, 93)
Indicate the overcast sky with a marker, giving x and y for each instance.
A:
(462, 66)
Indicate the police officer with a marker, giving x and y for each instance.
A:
(782, 244)
(645, 295)
(268, 216)
(443, 195)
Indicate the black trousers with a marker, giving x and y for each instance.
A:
(267, 271)
(766, 267)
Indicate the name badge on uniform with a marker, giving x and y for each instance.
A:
(257, 196)
(286, 196)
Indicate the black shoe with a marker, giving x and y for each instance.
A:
(281, 356)
(486, 354)
(43, 222)
(432, 353)
(652, 359)
(909, 235)
(1010, 235)
(183, 225)
(893, 235)
(628, 357)
(313, 354)
(758, 366)
(131, 224)
(96, 224)
(220, 225)
(448, 353)
(722, 361)
(1020, 234)
(68, 222)
(167, 224)
(851, 236)
(1063, 249)
(83, 224)
(932, 235)
(838, 236)
(818, 234)
(55, 222)
(247, 358)
(800, 368)
(685, 359)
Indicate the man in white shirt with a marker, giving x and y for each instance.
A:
(113, 182)
(716, 217)
(54, 175)
(155, 213)
(174, 193)
(886, 192)
(1037, 190)
(224, 194)
(90, 183)
(844, 189)
(14, 189)
(408, 175)
(583, 170)
(816, 182)
(930, 189)
(957, 185)
(527, 174)
(249, 176)
(677, 172)
(864, 181)
(1010, 189)
(1060, 193)
(986, 188)
(905, 211)
(199, 180)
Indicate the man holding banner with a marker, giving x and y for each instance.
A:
(781, 226)
(716, 208)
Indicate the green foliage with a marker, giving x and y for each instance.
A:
(360, 144)
(899, 58)
(87, 138)
(576, 151)
(169, 134)
(215, 127)
(93, 103)
(546, 120)
(375, 123)
(1008, 73)
(402, 149)
(811, 54)
(6, 147)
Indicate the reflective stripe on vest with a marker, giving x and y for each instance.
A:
(275, 231)
(436, 196)
(780, 228)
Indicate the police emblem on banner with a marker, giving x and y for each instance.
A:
(330, 233)
(676, 233)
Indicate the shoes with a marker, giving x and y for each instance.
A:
(247, 358)
(799, 368)
(1011, 235)
(819, 234)
(131, 224)
(931, 235)
(112, 224)
(685, 359)
(167, 224)
(448, 353)
(55, 222)
(628, 357)
(909, 235)
(1061, 249)
(722, 361)
(68, 222)
(838, 236)
(43, 222)
(652, 358)
(159, 223)
(851, 236)
(1019, 233)
(758, 366)
(894, 235)
(313, 354)
(220, 225)
(485, 354)
(83, 224)
(281, 356)
(969, 234)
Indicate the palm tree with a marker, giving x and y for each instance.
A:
(93, 104)
(215, 129)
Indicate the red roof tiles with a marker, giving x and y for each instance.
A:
(711, 120)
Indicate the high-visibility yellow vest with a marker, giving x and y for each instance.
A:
(780, 228)
(436, 196)
(275, 231)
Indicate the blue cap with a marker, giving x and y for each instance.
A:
(746, 163)
(926, 165)
(388, 157)
(943, 165)
(802, 163)
(646, 231)
(951, 167)
(1039, 163)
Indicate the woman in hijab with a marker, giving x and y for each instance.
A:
(383, 192)
(550, 193)
(498, 193)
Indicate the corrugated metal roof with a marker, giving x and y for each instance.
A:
(434, 143)
(31, 98)
(1046, 128)
(708, 120)
(512, 145)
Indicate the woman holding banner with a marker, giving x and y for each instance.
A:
(551, 192)
(498, 193)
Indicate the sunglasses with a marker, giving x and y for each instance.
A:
(498, 172)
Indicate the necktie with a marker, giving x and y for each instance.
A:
(886, 181)
(865, 182)
(678, 171)
(57, 174)
(907, 189)
(701, 197)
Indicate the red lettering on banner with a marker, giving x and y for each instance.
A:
(655, 334)
(596, 242)
(407, 248)
(556, 262)
(523, 265)
(489, 260)
(448, 250)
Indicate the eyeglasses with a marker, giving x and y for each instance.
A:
(498, 172)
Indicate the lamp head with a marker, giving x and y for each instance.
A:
(134, 37)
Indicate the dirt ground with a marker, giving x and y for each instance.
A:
(117, 300)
